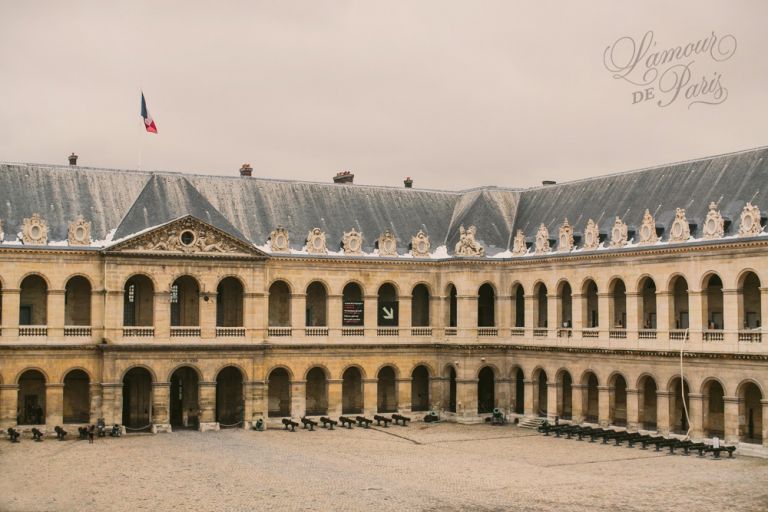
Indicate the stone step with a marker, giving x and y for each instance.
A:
(532, 423)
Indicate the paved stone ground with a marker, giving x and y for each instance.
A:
(443, 467)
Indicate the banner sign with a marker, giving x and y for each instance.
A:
(352, 314)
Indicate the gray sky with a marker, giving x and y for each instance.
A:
(453, 94)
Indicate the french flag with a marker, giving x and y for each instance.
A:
(149, 123)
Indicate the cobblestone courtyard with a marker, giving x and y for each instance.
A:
(435, 468)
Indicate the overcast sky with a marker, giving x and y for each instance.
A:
(453, 94)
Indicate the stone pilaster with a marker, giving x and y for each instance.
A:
(206, 398)
(404, 395)
(604, 405)
(370, 396)
(298, 398)
(9, 397)
(161, 397)
(696, 414)
(731, 419)
(633, 408)
(54, 405)
(662, 412)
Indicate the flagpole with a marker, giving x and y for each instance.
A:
(140, 138)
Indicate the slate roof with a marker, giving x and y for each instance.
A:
(119, 203)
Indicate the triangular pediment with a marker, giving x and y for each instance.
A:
(186, 236)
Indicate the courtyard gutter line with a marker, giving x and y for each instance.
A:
(396, 435)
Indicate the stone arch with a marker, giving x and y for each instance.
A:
(151, 371)
(540, 382)
(540, 305)
(677, 287)
(354, 365)
(352, 389)
(384, 365)
(712, 301)
(78, 291)
(617, 313)
(356, 283)
(279, 303)
(316, 304)
(565, 304)
(31, 396)
(83, 369)
(452, 311)
(391, 283)
(230, 405)
(230, 302)
(185, 301)
(420, 381)
(590, 396)
(137, 397)
(618, 399)
(33, 299)
(486, 305)
(750, 396)
(713, 407)
(749, 300)
(139, 300)
(678, 421)
(386, 388)
(518, 304)
(564, 381)
(35, 274)
(486, 389)
(647, 410)
(646, 289)
(279, 391)
(388, 293)
(420, 305)
(316, 395)
(191, 366)
(184, 401)
(430, 370)
(590, 310)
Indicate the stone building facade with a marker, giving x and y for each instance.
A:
(162, 301)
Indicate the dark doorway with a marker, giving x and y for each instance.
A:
(184, 408)
(420, 389)
(486, 393)
(137, 399)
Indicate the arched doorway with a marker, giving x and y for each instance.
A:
(33, 301)
(420, 306)
(317, 392)
(452, 306)
(618, 304)
(230, 406)
(185, 302)
(590, 317)
(77, 301)
(352, 310)
(618, 400)
(565, 395)
(518, 308)
(386, 390)
(540, 404)
(352, 391)
(648, 303)
(591, 398)
(138, 302)
(184, 408)
(750, 305)
(31, 398)
(279, 304)
(678, 422)
(77, 397)
(540, 310)
(387, 306)
(229, 303)
(451, 389)
(750, 413)
(420, 389)
(647, 403)
(679, 288)
(565, 315)
(486, 306)
(714, 409)
(713, 302)
(137, 399)
(486, 390)
(279, 393)
(519, 391)
(317, 300)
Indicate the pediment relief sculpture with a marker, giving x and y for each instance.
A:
(34, 230)
(542, 240)
(420, 245)
(279, 241)
(565, 239)
(316, 242)
(187, 236)
(79, 232)
(387, 244)
(714, 225)
(353, 242)
(619, 233)
(680, 231)
(750, 221)
(648, 230)
(519, 247)
(591, 236)
(467, 245)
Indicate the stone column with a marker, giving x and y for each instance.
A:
(9, 397)
(258, 406)
(261, 316)
(633, 314)
(467, 315)
(54, 405)
(334, 320)
(604, 320)
(764, 403)
(577, 402)
(298, 314)
(162, 315)
(529, 320)
(501, 392)
(113, 314)
(437, 315)
(94, 391)
(504, 314)
(731, 419)
(11, 298)
(206, 398)
(604, 405)
(98, 298)
(370, 309)
(404, 385)
(552, 400)
(207, 319)
(662, 412)
(334, 397)
(665, 319)
(112, 402)
(696, 414)
(370, 397)
(404, 320)
(763, 321)
(298, 398)
(161, 399)
(439, 393)
(466, 398)
(528, 393)
(55, 314)
(553, 307)
(732, 320)
(633, 408)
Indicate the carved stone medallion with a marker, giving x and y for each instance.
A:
(79, 232)
(467, 245)
(519, 247)
(618, 233)
(34, 231)
(750, 221)
(714, 225)
(420, 245)
(648, 230)
(316, 242)
(387, 244)
(591, 236)
(353, 242)
(542, 240)
(278, 240)
(187, 236)
(565, 239)
(680, 231)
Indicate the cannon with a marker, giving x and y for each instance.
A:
(60, 433)
(345, 421)
(308, 423)
(379, 419)
(362, 421)
(101, 427)
(497, 417)
(116, 432)
(13, 435)
(431, 417)
(82, 432)
(400, 418)
(289, 424)
(37, 434)
(716, 450)
(328, 422)
(259, 425)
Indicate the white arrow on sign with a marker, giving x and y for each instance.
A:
(389, 314)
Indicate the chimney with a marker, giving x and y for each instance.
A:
(246, 170)
(73, 159)
(344, 177)
(408, 182)
(548, 182)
